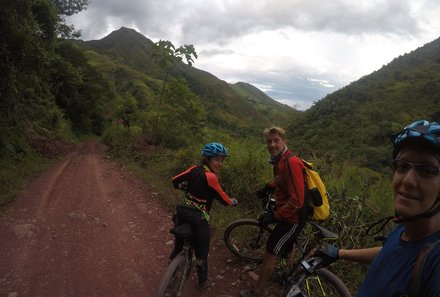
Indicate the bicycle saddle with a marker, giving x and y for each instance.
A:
(184, 231)
(324, 233)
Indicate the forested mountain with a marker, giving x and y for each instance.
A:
(354, 122)
(57, 88)
(227, 108)
(272, 109)
(47, 87)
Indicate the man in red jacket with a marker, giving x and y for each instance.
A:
(289, 215)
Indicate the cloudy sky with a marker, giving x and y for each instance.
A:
(296, 51)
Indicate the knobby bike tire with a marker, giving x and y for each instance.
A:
(246, 239)
(175, 277)
(321, 283)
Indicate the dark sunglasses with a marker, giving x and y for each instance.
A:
(424, 170)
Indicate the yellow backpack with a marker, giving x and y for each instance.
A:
(317, 194)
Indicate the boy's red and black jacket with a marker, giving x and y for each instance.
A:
(289, 187)
(202, 187)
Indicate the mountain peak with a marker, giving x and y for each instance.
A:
(123, 38)
(254, 94)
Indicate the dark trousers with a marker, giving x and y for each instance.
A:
(201, 237)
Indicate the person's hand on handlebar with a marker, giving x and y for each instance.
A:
(267, 218)
(265, 191)
(329, 253)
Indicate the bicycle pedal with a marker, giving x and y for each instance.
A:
(280, 274)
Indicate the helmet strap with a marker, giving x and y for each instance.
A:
(433, 210)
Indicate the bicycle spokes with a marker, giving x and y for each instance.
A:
(316, 287)
(256, 242)
(176, 282)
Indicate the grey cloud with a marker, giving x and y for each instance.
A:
(353, 17)
(216, 52)
(389, 17)
(287, 85)
(153, 17)
(219, 21)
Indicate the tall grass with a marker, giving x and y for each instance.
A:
(359, 196)
(15, 171)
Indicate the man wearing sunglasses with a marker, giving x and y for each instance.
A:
(408, 264)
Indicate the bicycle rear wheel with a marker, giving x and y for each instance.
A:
(247, 239)
(321, 283)
(174, 279)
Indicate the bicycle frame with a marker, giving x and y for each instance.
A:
(268, 204)
(246, 238)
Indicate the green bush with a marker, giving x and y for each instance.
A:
(359, 196)
(15, 171)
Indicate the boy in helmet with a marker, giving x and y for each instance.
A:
(408, 264)
(201, 187)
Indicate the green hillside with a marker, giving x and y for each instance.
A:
(275, 111)
(354, 123)
(155, 119)
(228, 109)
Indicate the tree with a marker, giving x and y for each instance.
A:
(167, 56)
(68, 8)
(27, 37)
(79, 89)
(128, 111)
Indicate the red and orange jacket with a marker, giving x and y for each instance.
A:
(289, 187)
(202, 186)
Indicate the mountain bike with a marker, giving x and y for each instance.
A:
(180, 267)
(308, 278)
(246, 238)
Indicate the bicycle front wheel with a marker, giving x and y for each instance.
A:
(247, 239)
(174, 279)
(321, 283)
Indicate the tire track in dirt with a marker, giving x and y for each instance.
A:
(82, 229)
(86, 227)
(54, 176)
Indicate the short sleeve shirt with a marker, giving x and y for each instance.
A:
(390, 274)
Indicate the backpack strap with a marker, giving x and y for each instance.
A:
(290, 173)
(304, 210)
(416, 282)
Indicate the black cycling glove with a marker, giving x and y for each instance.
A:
(267, 218)
(265, 191)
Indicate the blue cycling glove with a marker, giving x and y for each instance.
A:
(328, 252)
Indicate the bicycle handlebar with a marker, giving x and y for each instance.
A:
(311, 264)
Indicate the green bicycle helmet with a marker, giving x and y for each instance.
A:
(214, 149)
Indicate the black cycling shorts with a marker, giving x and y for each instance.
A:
(282, 238)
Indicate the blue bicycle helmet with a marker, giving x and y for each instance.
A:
(214, 149)
(423, 133)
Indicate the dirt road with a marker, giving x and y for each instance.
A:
(86, 227)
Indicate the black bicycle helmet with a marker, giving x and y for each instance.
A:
(421, 133)
(214, 149)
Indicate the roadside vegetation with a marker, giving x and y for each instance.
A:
(15, 173)
(359, 196)
(155, 111)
